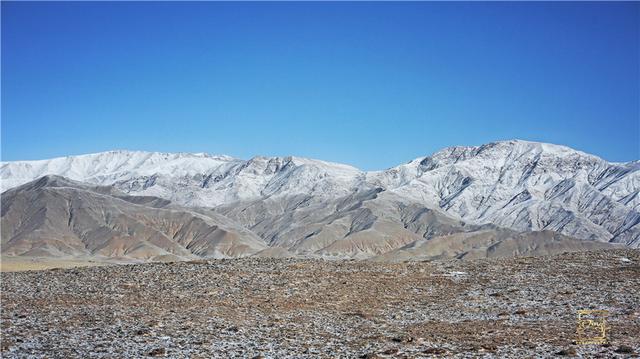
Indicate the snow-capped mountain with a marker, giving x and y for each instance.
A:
(191, 179)
(518, 185)
(527, 186)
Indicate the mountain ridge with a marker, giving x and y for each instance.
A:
(515, 184)
(232, 158)
(55, 218)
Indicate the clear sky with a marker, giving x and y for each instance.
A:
(369, 84)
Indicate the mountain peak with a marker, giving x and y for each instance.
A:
(508, 149)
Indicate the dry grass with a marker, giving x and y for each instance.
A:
(14, 264)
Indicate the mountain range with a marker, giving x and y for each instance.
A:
(500, 199)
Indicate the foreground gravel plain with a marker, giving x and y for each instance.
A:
(275, 308)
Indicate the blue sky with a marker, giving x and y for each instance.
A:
(369, 84)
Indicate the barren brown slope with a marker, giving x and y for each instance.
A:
(56, 217)
(361, 225)
(492, 243)
(377, 224)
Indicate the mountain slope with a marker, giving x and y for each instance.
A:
(360, 225)
(490, 244)
(57, 217)
(54, 217)
(527, 186)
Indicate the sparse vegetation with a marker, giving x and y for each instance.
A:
(274, 308)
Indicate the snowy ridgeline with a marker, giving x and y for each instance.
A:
(517, 185)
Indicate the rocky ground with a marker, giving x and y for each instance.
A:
(276, 308)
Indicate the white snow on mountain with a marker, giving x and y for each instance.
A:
(514, 184)
(110, 167)
(526, 186)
